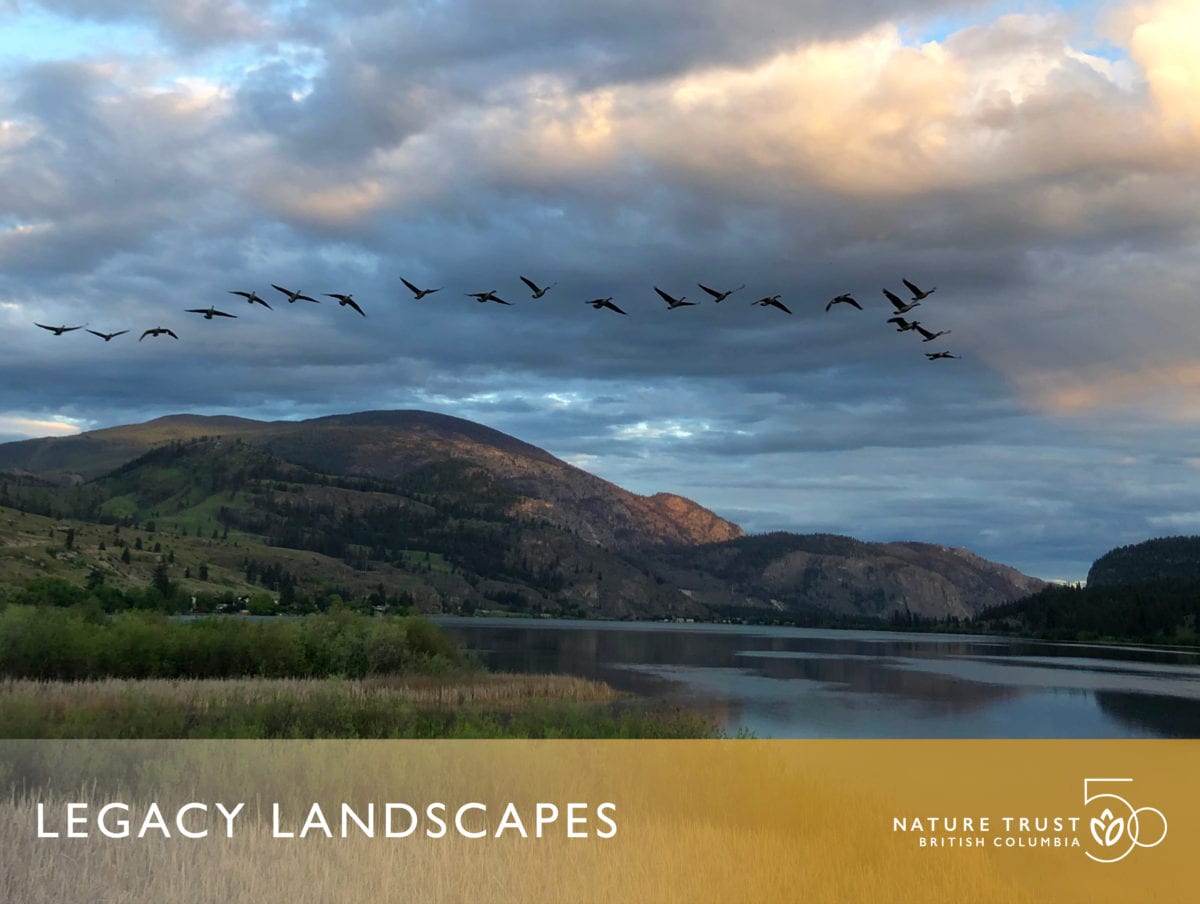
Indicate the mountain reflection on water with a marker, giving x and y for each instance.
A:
(805, 683)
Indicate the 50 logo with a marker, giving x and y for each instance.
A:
(1119, 827)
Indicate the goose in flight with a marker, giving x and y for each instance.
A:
(917, 294)
(107, 337)
(899, 304)
(902, 325)
(482, 297)
(58, 330)
(345, 301)
(929, 337)
(293, 297)
(719, 297)
(251, 297)
(209, 313)
(845, 298)
(535, 289)
(418, 294)
(157, 331)
(772, 301)
(934, 356)
(672, 302)
(599, 303)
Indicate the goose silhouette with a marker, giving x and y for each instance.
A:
(719, 297)
(209, 313)
(58, 330)
(537, 291)
(157, 331)
(917, 293)
(845, 298)
(418, 294)
(672, 301)
(293, 297)
(599, 303)
(772, 301)
(899, 304)
(251, 297)
(483, 297)
(345, 301)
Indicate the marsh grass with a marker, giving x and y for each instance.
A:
(483, 705)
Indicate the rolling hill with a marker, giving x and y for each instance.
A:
(451, 515)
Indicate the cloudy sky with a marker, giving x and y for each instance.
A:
(1037, 162)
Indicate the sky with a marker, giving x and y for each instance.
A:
(1038, 162)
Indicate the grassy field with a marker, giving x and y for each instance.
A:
(480, 705)
(34, 546)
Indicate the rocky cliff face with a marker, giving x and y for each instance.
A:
(793, 573)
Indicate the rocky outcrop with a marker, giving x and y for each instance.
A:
(793, 573)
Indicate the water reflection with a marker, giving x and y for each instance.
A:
(792, 682)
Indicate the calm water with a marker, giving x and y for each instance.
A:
(802, 683)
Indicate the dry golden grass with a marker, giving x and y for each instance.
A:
(489, 689)
(698, 822)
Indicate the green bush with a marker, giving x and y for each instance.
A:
(83, 641)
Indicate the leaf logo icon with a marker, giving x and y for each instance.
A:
(1107, 829)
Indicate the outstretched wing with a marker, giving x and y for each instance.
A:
(916, 292)
(611, 306)
(533, 287)
(894, 299)
(665, 297)
(352, 303)
(713, 292)
(411, 287)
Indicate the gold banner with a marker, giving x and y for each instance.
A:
(591, 821)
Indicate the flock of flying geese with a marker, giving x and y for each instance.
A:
(771, 301)
(903, 307)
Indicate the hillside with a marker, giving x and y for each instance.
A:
(1148, 592)
(412, 508)
(1166, 557)
(448, 536)
(391, 445)
(792, 573)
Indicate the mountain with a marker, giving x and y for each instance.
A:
(1165, 557)
(390, 445)
(795, 573)
(451, 515)
(1146, 593)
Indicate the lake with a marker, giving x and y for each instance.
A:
(810, 683)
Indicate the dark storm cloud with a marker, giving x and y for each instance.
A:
(609, 148)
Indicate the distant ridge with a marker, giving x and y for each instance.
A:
(1150, 560)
